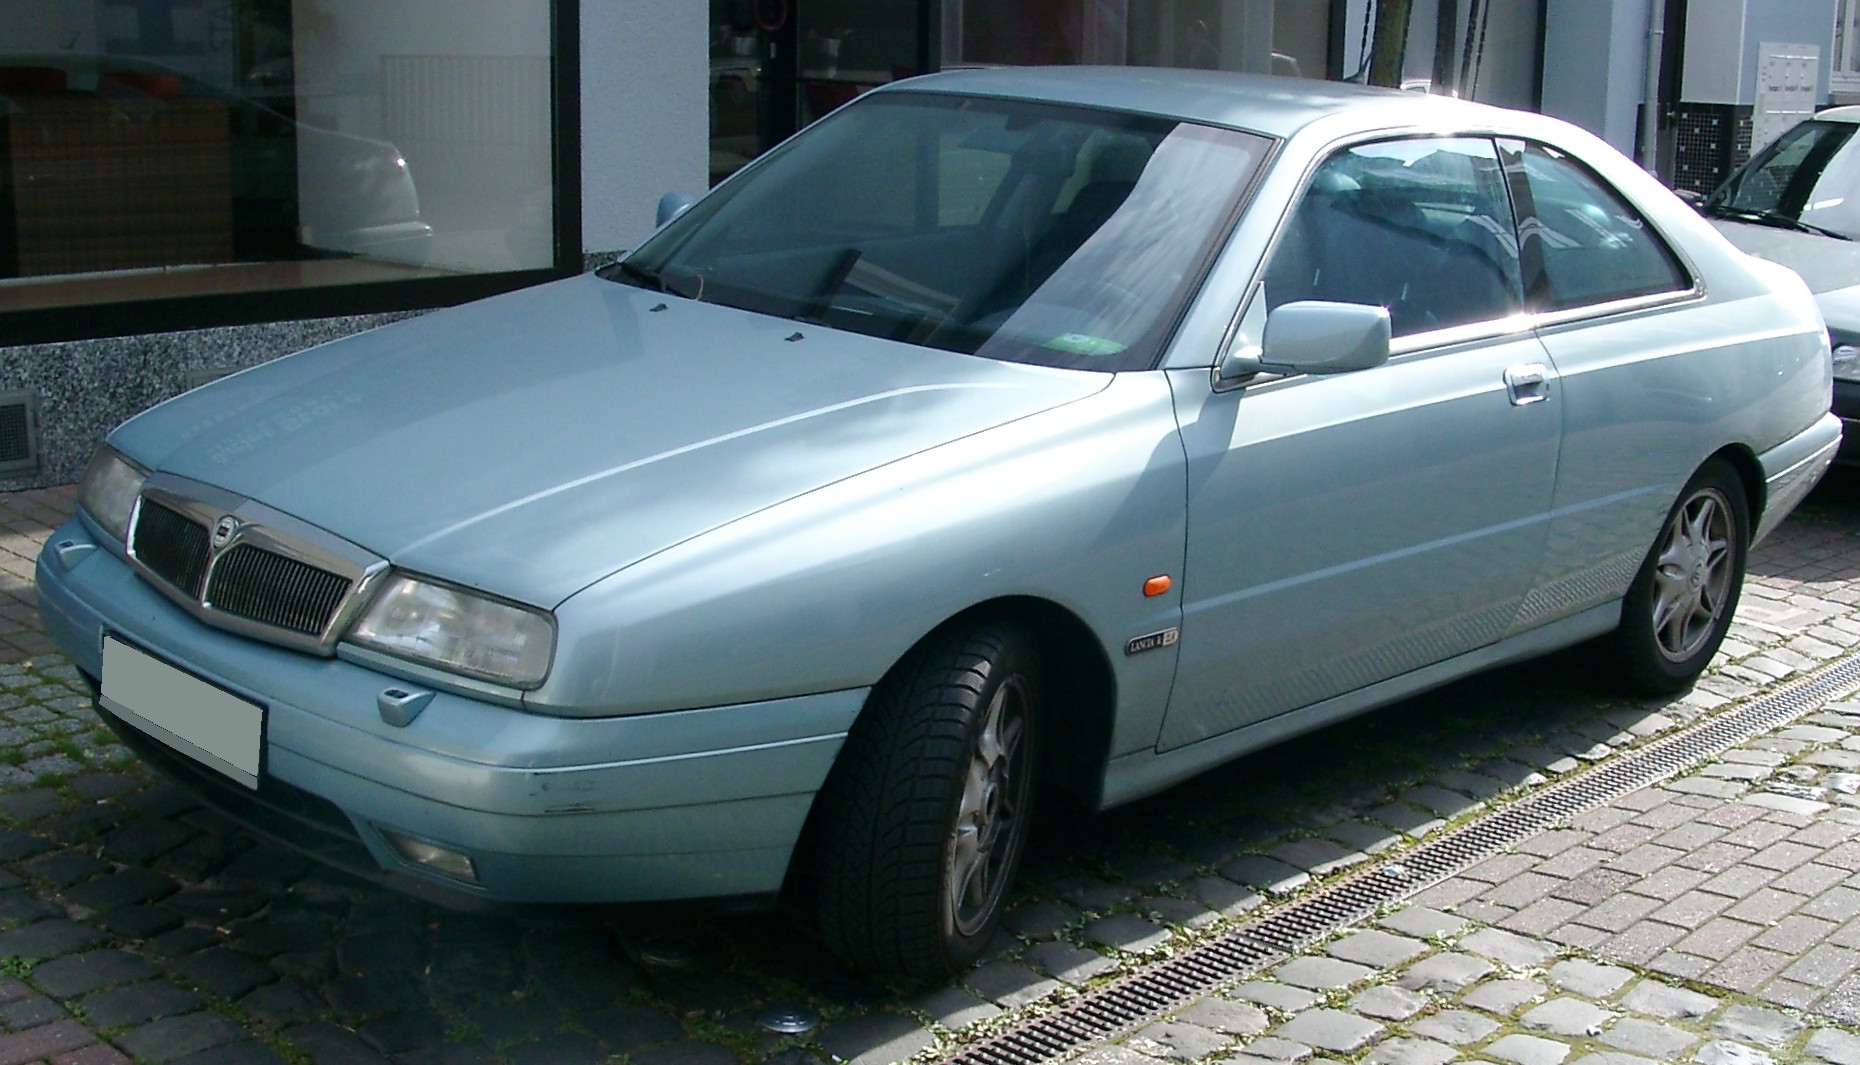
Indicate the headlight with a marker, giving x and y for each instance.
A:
(459, 631)
(1846, 357)
(108, 492)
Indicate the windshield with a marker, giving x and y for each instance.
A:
(1808, 178)
(1018, 231)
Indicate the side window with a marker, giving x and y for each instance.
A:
(1583, 244)
(1421, 226)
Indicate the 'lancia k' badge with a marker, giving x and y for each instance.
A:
(223, 531)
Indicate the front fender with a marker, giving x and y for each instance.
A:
(1078, 505)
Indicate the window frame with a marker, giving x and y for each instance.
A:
(97, 321)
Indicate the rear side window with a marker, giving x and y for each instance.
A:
(1583, 245)
(1421, 226)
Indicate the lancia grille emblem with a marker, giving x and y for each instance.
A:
(223, 531)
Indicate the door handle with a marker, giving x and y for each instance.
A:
(1527, 383)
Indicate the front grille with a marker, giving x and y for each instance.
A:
(255, 584)
(270, 575)
(172, 547)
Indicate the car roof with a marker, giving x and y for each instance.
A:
(1849, 114)
(1271, 104)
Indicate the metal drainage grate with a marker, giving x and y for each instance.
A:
(1156, 989)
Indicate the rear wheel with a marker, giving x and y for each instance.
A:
(925, 815)
(1681, 602)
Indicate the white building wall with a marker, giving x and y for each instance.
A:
(645, 113)
(1595, 65)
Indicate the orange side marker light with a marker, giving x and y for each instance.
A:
(1156, 586)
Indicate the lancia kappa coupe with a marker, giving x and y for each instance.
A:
(1006, 434)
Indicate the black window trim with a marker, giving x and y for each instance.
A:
(95, 321)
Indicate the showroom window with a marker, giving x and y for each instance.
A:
(177, 150)
(1290, 37)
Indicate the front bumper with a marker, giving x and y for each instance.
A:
(687, 804)
(1793, 467)
(1847, 407)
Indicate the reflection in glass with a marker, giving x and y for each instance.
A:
(154, 148)
(774, 68)
(1018, 231)
(1289, 37)
(1484, 50)
(1420, 226)
(1805, 178)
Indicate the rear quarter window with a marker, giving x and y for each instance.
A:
(1584, 245)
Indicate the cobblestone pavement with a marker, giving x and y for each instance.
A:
(1713, 918)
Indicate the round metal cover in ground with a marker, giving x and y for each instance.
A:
(788, 1020)
(666, 952)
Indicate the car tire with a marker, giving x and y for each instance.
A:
(1681, 602)
(925, 815)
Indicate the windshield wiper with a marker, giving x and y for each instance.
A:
(1774, 219)
(632, 271)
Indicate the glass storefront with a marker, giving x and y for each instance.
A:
(1486, 50)
(1291, 37)
(778, 64)
(153, 149)
(1479, 49)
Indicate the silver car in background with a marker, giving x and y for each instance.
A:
(1797, 202)
(1005, 429)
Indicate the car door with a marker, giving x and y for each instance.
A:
(1615, 306)
(1349, 528)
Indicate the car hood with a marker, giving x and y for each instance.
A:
(534, 443)
(1841, 308)
(1826, 263)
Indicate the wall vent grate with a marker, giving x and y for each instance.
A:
(19, 433)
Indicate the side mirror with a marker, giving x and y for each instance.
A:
(1316, 337)
(673, 204)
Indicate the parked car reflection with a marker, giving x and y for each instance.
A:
(115, 163)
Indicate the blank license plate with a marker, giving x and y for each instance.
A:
(183, 711)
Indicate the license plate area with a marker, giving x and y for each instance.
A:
(201, 720)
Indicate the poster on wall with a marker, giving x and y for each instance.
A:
(1787, 77)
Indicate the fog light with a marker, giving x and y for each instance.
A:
(454, 864)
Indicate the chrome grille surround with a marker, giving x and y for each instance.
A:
(271, 576)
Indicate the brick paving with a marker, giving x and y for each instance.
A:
(1714, 918)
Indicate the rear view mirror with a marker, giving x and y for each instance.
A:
(1317, 337)
(673, 204)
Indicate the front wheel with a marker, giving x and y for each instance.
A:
(924, 818)
(1680, 604)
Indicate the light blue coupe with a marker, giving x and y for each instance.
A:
(1081, 428)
